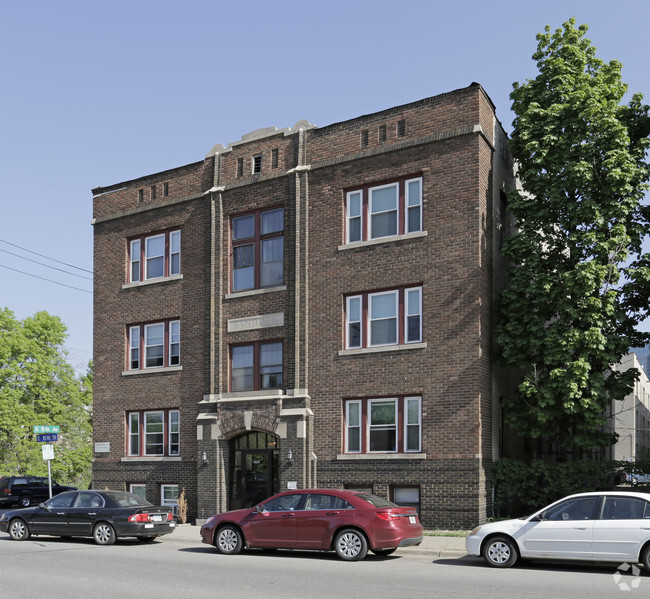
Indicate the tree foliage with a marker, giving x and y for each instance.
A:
(580, 281)
(39, 387)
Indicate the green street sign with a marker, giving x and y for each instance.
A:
(48, 428)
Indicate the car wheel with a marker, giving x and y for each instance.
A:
(104, 534)
(25, 501)
(351, 545)
(18, 530)
(500, 552)
(229, 540)
(645, 559)
(382, 552)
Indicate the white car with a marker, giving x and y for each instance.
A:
(604, 527)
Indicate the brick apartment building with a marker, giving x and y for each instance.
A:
(308, 307)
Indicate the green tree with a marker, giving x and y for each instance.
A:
(37, 387)
(580, 281)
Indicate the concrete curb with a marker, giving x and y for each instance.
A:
(435, 546)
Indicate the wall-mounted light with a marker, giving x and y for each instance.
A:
(205, 459)
(290, 457)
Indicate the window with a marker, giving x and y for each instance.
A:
(139, 489)
(581, 508)
(169, 495)
(155, 256)
(154, 433)
(155, 345)
(257, 164)
(256, 366)
(386, 210)
(625, 508)
(386, 425)
(383, 318)
(258, 250)
(406, 496)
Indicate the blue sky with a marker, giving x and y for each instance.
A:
(95, 93)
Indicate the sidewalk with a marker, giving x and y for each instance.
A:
(436, 547)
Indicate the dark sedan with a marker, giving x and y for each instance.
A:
(103, 515)
(348, 522)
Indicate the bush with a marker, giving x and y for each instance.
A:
(522, 488)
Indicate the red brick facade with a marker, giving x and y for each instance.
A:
(454, 147)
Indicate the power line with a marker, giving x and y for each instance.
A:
(46, 265)
(44, 279)
(46, 257)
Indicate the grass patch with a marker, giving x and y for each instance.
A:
(446, 533)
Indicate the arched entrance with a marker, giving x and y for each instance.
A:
(253, 469)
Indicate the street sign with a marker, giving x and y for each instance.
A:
(47, 429)
(48, 452)
(47, 438)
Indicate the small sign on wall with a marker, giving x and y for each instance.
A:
(103, 447)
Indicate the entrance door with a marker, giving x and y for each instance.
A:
(254, 471)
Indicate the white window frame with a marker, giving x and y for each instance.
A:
(168, 502)
(174, 428)
(371, 213)
(174, 336)
(145, 432)
(349, 322)
(174, 239)
(134, 417)
(407, 199)
(134, 346)
(418, 401)
(148, 257)
(395, 294)
(147, 345)
(134, 486)
(395, 426)
(349, 217)
(407, 314)
(135, 258)
(359, 426)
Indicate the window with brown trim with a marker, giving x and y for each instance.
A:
(383, 425)
(390, 317)
(153, 433)
(154, 345)
(257, 249)
(256, 366)
(154, 256)
(383, 210)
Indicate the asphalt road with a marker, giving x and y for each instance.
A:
(178, 566)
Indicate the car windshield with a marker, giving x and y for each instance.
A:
(376, 500)
(125, 499)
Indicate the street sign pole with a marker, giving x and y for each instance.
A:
(49, 476)
(48, 455)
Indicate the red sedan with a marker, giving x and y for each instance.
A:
(348, 522)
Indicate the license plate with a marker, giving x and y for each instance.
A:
(412, 519)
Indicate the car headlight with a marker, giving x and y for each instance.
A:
(475, 531)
